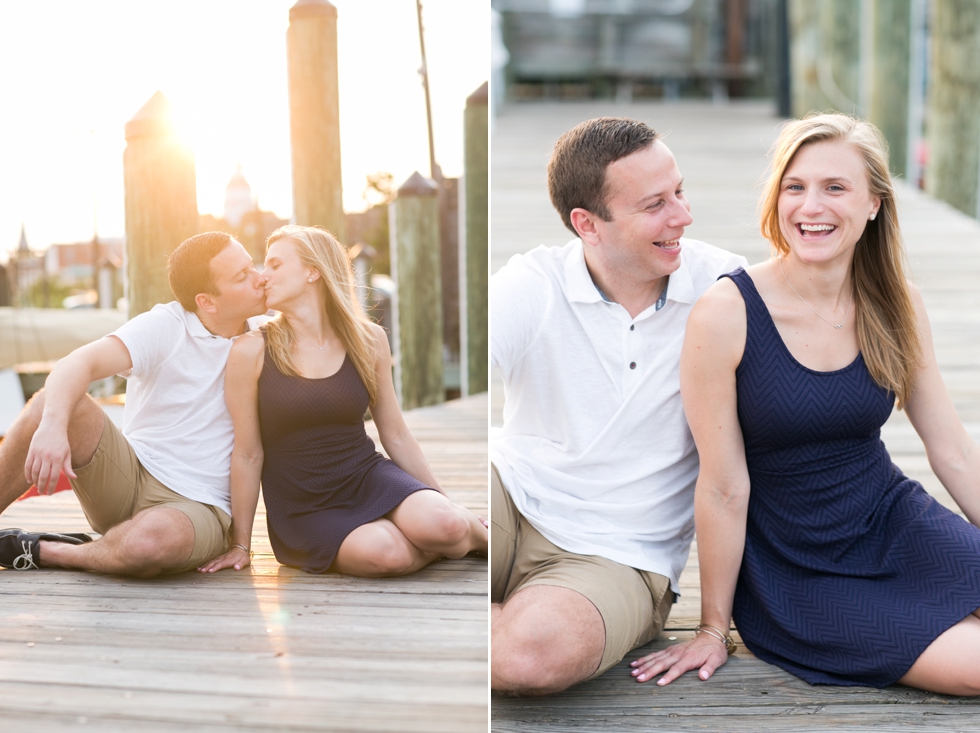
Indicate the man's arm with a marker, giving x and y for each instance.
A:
(519, 300)
(68, 382)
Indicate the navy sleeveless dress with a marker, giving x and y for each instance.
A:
(322, 477)
(850, 569)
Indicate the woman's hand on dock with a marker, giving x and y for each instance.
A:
(235, 558)
(703, 651)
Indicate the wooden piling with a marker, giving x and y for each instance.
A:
(449, 248)
(953, 132)
(314, 115)
(890, 77)
(825, 56)
(474, 252)
(161, 202)
(413, 221)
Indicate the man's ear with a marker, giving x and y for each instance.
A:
(205, 302)
(584, 223)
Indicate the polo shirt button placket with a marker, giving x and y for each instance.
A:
(629, 340)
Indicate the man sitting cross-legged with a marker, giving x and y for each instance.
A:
(158, 490)
(592, 485)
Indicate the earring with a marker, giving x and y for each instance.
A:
(310, 278)
(873, 215)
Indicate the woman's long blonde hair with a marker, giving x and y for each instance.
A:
(887, 330)
(318, 249)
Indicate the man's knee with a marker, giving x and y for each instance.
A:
(85, 424)
(31, 414)
(158, 539)
(540, 650)
(530, 663)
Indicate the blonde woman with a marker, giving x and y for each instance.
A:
(834, 565)
(297, 393)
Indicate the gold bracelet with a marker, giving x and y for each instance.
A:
(725, 639)
(244, 549)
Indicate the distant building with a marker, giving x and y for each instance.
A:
(4, 287)
(28, 269)
(238, 198)
(73, 263)
(370, 228)
(243, 218)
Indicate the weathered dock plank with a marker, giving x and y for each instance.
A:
(721, 151)
(270, 648)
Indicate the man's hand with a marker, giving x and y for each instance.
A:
(236, 558)
(48, 456)
(703, 651)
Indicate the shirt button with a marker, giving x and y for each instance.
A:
(632, 327)
(632, 365)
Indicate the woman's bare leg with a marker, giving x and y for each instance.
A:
(949, 665)
(423, 528)
(378, 549)
(434, 524)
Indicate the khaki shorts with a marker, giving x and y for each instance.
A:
(114, 487)
(634, 604)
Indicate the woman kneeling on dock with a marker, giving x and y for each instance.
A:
(297, 393)
(836, 567)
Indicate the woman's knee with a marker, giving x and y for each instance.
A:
(449, 525)
(391, 554)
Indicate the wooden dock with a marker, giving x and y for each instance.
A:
(721, 151)
(265, 649)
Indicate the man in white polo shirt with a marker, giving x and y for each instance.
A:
(593, 472)
(157, 490)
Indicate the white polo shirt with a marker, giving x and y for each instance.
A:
(595, 449)
(175, 418)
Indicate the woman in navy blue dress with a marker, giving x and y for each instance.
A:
(297, 392)
(832, 563)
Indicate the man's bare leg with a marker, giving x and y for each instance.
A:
(84, 434)
(155, 540)
(544, 639)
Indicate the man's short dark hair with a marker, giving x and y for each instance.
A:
(577, 169)
(189, 267)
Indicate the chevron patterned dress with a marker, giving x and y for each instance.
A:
(850, 569)
(322, 477)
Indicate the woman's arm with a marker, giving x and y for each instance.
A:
(713, 346)
(398, 441)
(952, 453)
(241, 395)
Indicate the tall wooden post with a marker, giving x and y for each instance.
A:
(314, 115)
(954, 105)
(890, 74)
(825, 56)
(449, 248)
(413, 220)
(474, 249)
(161, 202)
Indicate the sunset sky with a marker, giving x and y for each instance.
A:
(73, 73)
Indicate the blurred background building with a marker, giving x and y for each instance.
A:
(912, 67)
(574, 49)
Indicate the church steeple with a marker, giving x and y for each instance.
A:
(22, 248)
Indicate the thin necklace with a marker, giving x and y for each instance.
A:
(847, 310)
